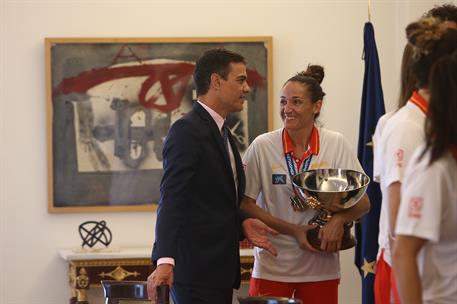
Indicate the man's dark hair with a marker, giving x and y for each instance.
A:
(213, 61)
(445, 12)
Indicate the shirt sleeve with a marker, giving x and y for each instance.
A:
(421, 203)
(170, 261)
(346, 158)
(251, 167)
(397, 148)
(377, 155)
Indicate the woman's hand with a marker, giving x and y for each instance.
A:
(331, 234)
(300, 234)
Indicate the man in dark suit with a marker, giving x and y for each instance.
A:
(199, 223)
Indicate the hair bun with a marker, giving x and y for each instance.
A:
(314, 71)
(423, 35)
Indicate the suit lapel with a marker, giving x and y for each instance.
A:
(215, 132)
(239, 167)
(211, 124)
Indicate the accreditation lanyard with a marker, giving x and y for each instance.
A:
(293, 171)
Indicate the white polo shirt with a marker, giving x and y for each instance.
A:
(377, 170)
(377, 155)
(402, 134)
(428, 210)
(268, 181)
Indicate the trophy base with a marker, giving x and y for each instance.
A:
(347, 242)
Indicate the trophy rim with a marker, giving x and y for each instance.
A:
(367, 178)
(268, 299)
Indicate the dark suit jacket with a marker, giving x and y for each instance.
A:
(198, 219)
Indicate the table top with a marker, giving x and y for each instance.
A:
(75, 254)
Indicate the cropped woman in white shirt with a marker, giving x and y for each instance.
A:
(425, 251)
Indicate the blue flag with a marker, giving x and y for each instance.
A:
(372, 108)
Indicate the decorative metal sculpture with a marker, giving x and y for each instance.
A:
(92, 232)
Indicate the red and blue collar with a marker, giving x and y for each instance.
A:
(313, 146)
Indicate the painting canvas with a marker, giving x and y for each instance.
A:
(111, 103)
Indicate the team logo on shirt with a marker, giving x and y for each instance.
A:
(399, 155)
(278, 179)
(275, 167)
(415, 207)
(317, 165)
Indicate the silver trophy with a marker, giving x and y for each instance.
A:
(328, 191)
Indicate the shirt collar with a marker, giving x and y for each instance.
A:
(419, 101)
(218, 119)
(313, 145)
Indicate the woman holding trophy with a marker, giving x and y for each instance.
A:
(302, 269)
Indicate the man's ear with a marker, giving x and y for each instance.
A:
(215, 81)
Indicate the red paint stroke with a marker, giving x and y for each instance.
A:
(167, 74)
(173, 100)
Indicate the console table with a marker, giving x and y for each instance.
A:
(87, 268)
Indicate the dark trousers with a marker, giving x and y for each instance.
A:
(185, 294)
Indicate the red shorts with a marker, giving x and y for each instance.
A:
(322, 292)
(385, 286)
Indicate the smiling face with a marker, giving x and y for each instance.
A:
(233, 90)
(296, 109)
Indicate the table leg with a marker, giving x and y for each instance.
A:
(72, 283)
(82, 285)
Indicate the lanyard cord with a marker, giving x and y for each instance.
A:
(291, 167)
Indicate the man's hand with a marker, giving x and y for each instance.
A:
(300, 234)
(331, 234)
(257, 233)
(162, 275)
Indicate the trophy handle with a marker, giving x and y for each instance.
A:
(298, 204)
(302, 204)
(321, 217)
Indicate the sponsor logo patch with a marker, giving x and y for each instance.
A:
(399, 154)
(278, 179)
(415, 207)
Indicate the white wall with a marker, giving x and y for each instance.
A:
(325, 32)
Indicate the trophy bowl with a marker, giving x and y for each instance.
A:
(328, 191)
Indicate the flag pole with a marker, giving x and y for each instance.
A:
(369, 10)
(372, 107)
